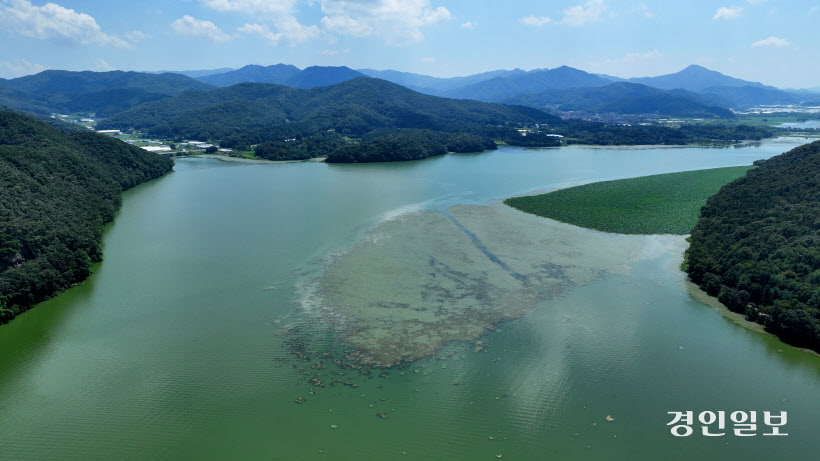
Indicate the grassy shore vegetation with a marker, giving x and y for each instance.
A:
(57, 191)
(756, 246)
(658, 204)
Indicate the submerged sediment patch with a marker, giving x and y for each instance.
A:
(421, 280)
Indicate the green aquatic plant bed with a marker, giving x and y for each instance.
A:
(658, 204)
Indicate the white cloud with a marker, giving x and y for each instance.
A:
(724, 13)
(289, 31)
(644, 10)
(399, 22)
(428, 60)
(772, 41)
(192, 27)
(579, 15)
(536, 21)
(54, 22)
(468, 25)
(814, 9)
(757, 2)
(253, 7)
(136, 36)
(19, 68)
(630, 57)
(102, 66)
(635, 57)
(335, 52)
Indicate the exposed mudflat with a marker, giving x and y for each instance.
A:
(421, 280)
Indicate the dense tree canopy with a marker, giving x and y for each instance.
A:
(757, 246)
(103, 93)
(250, 113)
(289, 123)
(57, 190)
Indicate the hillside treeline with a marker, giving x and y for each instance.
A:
(756, 246)
(57, 191)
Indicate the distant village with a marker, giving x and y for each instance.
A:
(185, 147)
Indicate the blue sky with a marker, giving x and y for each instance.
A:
(775, 42)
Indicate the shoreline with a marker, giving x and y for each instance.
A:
(226, 158)
(702, 297)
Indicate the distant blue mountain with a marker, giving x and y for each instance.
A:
(322, 76)
(103, 93)
(714, 88)
(694, 78)
(194, 73)
(277, 73)
(622, 98)
(738, 96)
(436, 85)
(535, 81)
(283, 74)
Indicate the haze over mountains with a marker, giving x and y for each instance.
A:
(249, 113)
(693, 92)
(104, 93)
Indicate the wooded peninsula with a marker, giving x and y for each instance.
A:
(756, 246)
(59, 190)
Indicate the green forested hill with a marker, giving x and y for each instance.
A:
(247, 111)
(104, 93)
(291, 123)
(623, 98)
(57, 190)
(757, 246)
(18, 100)
(58, 84)
(246, 114)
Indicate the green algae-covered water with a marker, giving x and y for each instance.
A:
(230, 291)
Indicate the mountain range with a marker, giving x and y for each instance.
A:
(624, 98)
(283, 74)
(105, 93)
(693, 92)
(255, 112)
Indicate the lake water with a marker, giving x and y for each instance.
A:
(181, 345)
(807, 124)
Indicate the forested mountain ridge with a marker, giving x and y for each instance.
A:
(250, 113)
(295, 122)
(63, 83)
(283, 74)
(277, 73)
(103, 93)
(514, 85)
(57, 190)
(315, 76)
(694, 78)
(436, 86)
(756, 246)
(623, 98)
(19, 100)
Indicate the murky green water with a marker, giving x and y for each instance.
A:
(180, 345)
